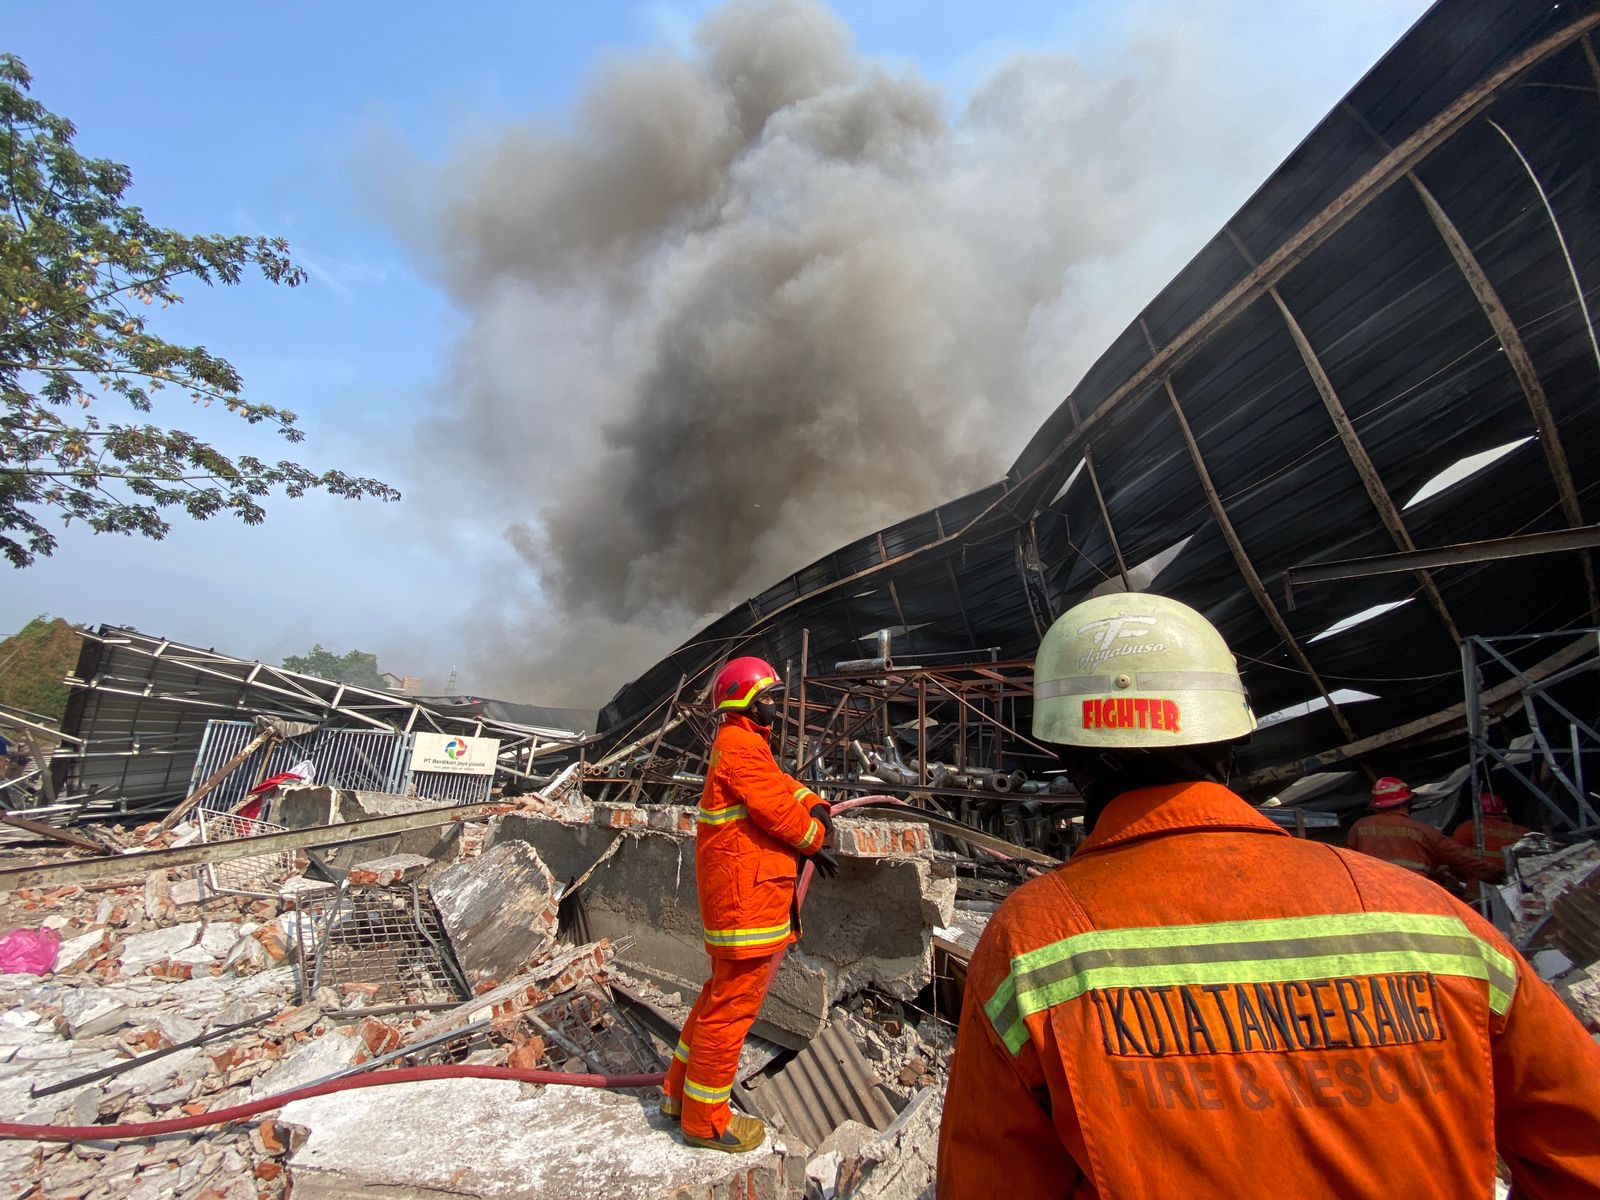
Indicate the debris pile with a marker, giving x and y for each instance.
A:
(1553, 900)
(559, 937)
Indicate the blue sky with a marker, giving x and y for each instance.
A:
(298, 120)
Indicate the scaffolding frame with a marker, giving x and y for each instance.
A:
(1562, 763)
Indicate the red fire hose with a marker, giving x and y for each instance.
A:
(221, 1116)
(238, 1112)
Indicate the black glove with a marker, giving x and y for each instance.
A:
(826, 864)
(821, 813)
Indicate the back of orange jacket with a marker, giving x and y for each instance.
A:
(1406, 842)
(1198, 1005)
(753, 820)
(1498, 833)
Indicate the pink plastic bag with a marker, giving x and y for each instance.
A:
(29, 952)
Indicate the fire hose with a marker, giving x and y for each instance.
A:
(239, 1112)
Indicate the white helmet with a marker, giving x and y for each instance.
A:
(1135, 670)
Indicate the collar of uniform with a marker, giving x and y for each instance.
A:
(740, 721)
(1145, 812)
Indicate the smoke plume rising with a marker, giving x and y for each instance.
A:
(769, 296)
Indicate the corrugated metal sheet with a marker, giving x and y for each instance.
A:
(826, 1084)
(364, 760)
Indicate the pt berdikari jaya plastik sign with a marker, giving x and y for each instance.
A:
(458, 755)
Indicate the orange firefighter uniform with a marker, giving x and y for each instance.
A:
(1498, 833)
(1199, 1005)
(753, 819)
(1399, 839)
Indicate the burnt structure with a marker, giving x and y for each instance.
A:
(1411, 289)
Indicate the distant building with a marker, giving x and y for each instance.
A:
(406, 685)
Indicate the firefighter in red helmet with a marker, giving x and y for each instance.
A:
(754, 821)
(1391, 834)
(1499, 830)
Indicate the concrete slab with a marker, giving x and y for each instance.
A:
(873, 924)
(333, 1051)
(146, 949)
(89, 1012)
(480, 1137)
(307, 807)
(498, 910)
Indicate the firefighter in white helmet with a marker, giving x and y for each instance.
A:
(1200, 1005)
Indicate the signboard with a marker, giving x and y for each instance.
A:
(458, 755)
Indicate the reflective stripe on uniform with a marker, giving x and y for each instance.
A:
(813, 835)
(704, 1094)
(800, 793)
(721, 816)
(1262, 951)
(748, 937)
(682, 1051)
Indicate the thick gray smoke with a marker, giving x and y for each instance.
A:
(771, 296)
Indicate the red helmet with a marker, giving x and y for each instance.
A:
(740, 682)
(1390, 792)
(1492, 805)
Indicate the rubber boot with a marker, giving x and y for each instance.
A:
(743, 1134)
(672, 1107)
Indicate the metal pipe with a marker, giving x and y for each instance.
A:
(863, 666)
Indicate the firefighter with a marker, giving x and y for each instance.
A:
(1499, 831)
(1391, 834)
(754, 823)
(1200, 1005)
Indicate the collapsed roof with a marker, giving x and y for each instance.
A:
(1407, 292)
(140, 707)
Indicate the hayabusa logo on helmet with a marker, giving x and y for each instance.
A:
(1117, 636)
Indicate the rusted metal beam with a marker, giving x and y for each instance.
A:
(1493, 550)
(1388, 511)
(1521, 363)
(1252, 577)
(70, 837)
(116, 865)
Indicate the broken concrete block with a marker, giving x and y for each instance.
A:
(218, 937)
(306, 807)
(89, 1012)
(331, 1052)
(143, 950)
(901, 1162)
(184, 1068)
(393, 868)
(246, 958)
(80, 951)
(498, 910)
(870, 838)
(157, 895)
(186, 891)
(177, 1029)
(498, 1141)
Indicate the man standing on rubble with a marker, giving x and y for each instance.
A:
(1201, 1005)
(1392, 834)
(754, 821)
